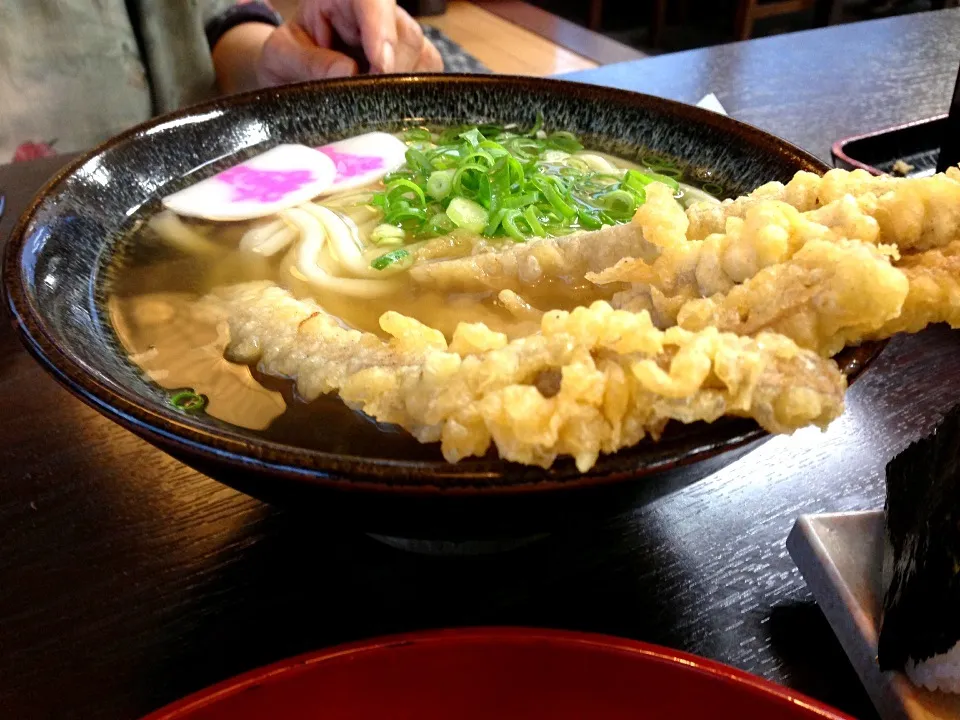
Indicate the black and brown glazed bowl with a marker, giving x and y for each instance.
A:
(61, 255)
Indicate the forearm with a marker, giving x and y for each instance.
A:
(235, 56)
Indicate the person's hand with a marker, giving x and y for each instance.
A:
(391, 40)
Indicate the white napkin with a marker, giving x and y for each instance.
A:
(710, 102)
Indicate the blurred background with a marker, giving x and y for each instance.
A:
(658, 26)
(542, 37)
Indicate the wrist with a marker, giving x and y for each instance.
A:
(237, 15)
(237, 54)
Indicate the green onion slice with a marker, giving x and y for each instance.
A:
(418, 134)
(440, 183)
(386, 235)
(530, 215)
(618, 203)
(188, 401)
(565, 141)
(440, 224)
(510, 225)
(417, 160)
(473, 137)
(468, 214)
(537, 125)
(665, 173)
(401, 187)
(391, 258)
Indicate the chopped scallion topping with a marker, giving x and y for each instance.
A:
(440, 183)
(387, 235)
(390, 258)
(188, 401)
(468, 214)
(509, 182)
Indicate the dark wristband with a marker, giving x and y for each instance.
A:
(254, 11)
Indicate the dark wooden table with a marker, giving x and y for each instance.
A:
(127, 580)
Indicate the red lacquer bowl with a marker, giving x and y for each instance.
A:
(497, 674)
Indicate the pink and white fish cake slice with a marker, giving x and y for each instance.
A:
(281, 178)
(287, 176)
(364, 159)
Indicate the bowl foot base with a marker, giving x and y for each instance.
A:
(457, 547)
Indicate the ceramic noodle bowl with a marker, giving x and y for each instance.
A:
(65, 253)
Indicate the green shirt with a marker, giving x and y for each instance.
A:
(76, 72)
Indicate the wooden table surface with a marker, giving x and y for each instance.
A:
(504, 47)
(127, 580)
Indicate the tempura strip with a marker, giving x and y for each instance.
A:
(934, 292)
(526, 264)
(620, 379)
(827, 296)
(770, 233)
(913, 213)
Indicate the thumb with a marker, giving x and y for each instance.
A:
(290, 55)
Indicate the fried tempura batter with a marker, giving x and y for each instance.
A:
(621, 379)
(297, 339)
(934, 294)
(828, 295)
(770, 232)
(913, 213)
(526, 264)
(758, 274)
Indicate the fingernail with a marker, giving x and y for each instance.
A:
(386, 58)
(341, 68)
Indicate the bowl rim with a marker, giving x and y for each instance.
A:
(695, 664)
(336, 470)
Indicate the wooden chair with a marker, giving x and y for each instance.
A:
(596, 14)
(748, 11)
